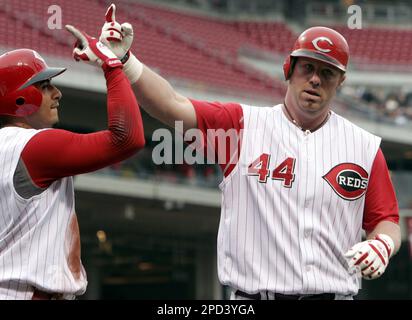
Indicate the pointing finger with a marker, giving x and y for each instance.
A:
(110, 13)
(76, 33)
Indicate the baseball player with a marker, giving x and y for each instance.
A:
(305, 181)
(39, 233)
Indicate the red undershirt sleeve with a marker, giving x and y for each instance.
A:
(53, 154)
(380, 199)
(220, 124)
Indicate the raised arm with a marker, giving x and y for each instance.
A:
(53, 154)
(155, 93)
(161, 101)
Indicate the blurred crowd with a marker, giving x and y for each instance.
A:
(388, 105)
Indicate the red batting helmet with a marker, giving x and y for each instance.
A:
(320, 43)
(19, 70)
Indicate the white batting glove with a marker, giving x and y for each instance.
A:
(91, 50)
(118, 38)
(371, 257)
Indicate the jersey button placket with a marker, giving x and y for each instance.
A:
(307, 146)
(305, 207)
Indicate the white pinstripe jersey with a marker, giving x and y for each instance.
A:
(39, 238)
(288, 235)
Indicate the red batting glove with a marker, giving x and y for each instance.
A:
(119, 38)
(371, 256)
(91, 50)
(111, 30)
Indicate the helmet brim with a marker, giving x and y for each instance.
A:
(43, 75)
(318, 56)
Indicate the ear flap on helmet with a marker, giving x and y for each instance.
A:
(21, 103)
(28, 101)
(288, 66)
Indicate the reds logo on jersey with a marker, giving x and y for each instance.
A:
(348, 180)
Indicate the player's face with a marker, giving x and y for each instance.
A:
(313, 84)
(47, 115)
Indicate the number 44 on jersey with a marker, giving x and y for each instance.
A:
(283, 172)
